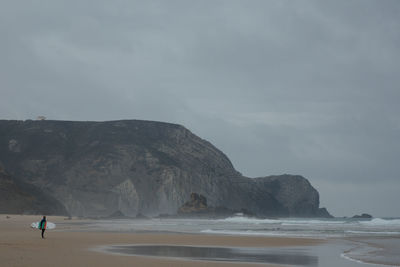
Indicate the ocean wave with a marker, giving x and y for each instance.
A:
(250, 220)
(372, 232)
(347, 257)
(265, 233)
(307, 222)
(381, 222)
(232, 232)
(284, 222)
(249, 233)
(362, 253)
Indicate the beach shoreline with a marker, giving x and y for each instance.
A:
(381, 251)
(20, 245)
(72, 244)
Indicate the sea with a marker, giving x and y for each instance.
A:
(350, 242)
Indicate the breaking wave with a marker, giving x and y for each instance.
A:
(381, 222)
(294, 221)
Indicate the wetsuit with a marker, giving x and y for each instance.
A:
(42, 225)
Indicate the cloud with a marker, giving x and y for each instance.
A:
(304, 87)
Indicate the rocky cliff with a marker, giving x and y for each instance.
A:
(17, 197)
(140, 167)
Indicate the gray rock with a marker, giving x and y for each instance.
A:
(363, 216)
(197, 203)
(140, 167)
(18, 197)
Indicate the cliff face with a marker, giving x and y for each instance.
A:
(19, 197)
(151, 168)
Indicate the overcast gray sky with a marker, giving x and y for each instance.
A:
(300, 87)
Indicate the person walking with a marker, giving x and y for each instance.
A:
(42, 225)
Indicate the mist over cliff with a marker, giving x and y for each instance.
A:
(137, 167)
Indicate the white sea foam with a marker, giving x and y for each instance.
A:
(381, 222)
(358, 254)
(372, 232)
(347, 257)
(286, 222)
(262, 233)
(307, 222)
(244, 233)
(237, 219)
(241, 225)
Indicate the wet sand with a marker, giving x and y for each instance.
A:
(21, 245)
(224, 254)
(377, 250)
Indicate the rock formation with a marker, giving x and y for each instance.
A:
(17, 197)
(140, 167)
(363, 216)
(197, 203)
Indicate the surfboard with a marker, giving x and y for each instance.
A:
(49, 225)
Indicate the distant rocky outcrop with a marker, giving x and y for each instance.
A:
(197, 203)
(140, 167)
(197, 207)
(362, 216)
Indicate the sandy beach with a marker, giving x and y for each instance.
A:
(21, 245)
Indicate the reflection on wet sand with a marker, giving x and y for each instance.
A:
(249, 255)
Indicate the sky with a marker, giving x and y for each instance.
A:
(297, 87)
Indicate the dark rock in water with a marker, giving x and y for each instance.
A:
(18, 197)
(362, 216)
(94, 169)
(197, 207)
(197, 203)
